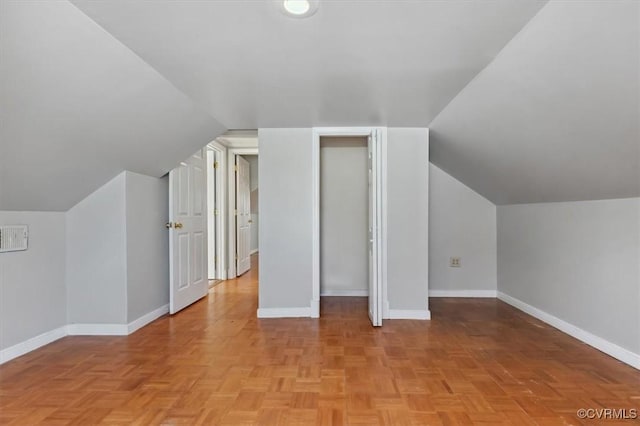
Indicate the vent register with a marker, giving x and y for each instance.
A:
(14, 238)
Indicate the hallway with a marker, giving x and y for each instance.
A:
(479, 361)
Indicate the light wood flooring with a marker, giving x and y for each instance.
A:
(478, 361)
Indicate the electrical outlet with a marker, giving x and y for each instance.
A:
(454, 262)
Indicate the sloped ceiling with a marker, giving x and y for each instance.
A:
(395, 63)
(77, 107)
(95, 87)
(555, 117)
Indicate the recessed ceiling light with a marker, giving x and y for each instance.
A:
(299, 8)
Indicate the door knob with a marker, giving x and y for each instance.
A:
(178, 225)
(250, 221)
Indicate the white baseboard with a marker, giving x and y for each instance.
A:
(346, 293)
(97, 330)
(314, 308)
(32, 344)
(147, 318)
(385, 309)
(463, 293)
(599, 343)
(254, 251)
(284, 312)
(80, 330)
(416, 314)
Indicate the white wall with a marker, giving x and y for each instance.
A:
(577, 261)
(408, 215)
(343, 217)
(97, 256)
(286, 218)
(147, 210)
(286, 234)
(32, 282)
(462, 224)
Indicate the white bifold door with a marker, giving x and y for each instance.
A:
(375, 207)
(243, 216)
(188, 228)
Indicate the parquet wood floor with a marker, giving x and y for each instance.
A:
(479, 361)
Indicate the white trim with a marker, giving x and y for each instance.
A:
(463, 293)
(231, 191)
(284, 312)
(36, 342)
(239, 142)
(32, 344)
(97, 330)
(254, 251)
(411, 314)
(383, 224)
(220, 152)
(345, 293)
(314, 308)
(590, 339)
(147, 318)
(315, 194)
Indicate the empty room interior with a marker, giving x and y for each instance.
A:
(300, 212)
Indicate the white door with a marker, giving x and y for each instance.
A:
(212, 213)
(188, 228)
(375, 288)
(243, 216)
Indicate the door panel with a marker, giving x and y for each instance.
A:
(187, 227)
(243, 216)
(375, 292)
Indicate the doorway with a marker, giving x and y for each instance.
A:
(216, 258)
(375, 218)
(243, 209)
(343, 216)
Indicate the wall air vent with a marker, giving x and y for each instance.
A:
(14, 238)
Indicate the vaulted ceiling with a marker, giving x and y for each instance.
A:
(77, 107)
(527, 101)
(555, 117)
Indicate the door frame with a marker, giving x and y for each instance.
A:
(319, 132)
(231, 223)
(221, 195)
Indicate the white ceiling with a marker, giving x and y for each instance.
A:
(556, 116)
(395, 63)
(92, 89)
(77, 107)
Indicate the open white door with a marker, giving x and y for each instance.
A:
(375, 276)
(188, 228)
(243, 216)
(212, 213)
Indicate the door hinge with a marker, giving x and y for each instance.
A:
(215, 212)
(235, 212)
(215, 164)
(236, 256)
(235, 168)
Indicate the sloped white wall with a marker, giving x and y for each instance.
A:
(32, 282)
(462, 224)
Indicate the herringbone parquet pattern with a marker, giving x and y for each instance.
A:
(476, 362)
